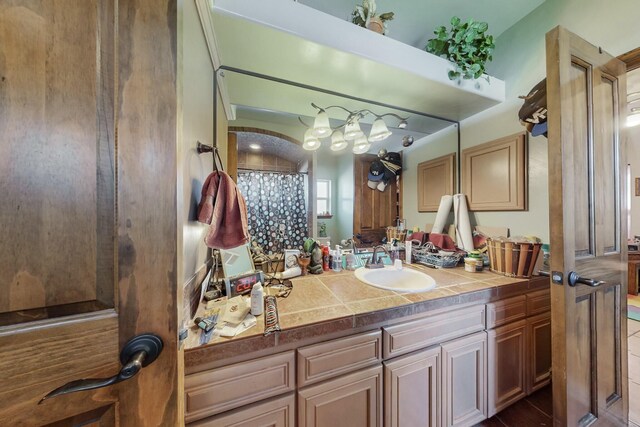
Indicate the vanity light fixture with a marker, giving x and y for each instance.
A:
(337, 141)
(361, 145)
(351, 129)
(254, 146)
(311, 142)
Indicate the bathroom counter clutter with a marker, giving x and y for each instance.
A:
(334, 303)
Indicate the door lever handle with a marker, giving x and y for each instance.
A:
(139, 352)
(544, 273)
(574, 278)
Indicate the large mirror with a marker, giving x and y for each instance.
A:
(305, 171)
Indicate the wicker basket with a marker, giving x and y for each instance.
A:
(513, 259)
(395, 233)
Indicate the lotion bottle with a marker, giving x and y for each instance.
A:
(257, 295)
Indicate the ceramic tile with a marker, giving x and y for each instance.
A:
(634, 345)
(471, 287)
(377, 304)
(633, 327)
(349, 289)
(485, 274)
(300, 318)
(634, 368)
(308, 293)
(430, 295)
(443, 277)
(634, 404)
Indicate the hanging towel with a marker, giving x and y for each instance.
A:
(223, 207)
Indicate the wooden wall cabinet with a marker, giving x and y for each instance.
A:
(494, 175)
(353, 400)
(436, 178)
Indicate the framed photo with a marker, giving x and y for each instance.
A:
(290, 260)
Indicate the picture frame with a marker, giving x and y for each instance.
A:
(289, 258)
(242, 284)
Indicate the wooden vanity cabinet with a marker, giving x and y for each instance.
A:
(519, 349)
(464, 380)
(412, 385)
(352, 400)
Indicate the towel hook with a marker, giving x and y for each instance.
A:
(204, 148)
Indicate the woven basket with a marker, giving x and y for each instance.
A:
(513, 259)
(395, 233)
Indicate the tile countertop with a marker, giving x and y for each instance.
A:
(331, 302)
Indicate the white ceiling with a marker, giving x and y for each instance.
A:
(415, 20)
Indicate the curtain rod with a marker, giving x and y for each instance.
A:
(244, 170)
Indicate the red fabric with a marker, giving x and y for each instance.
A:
(418, 235)
(443, 241)
(223, 207)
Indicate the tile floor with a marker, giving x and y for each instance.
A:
(634, 371)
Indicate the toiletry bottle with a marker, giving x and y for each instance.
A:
(325, 258)
(337, 261)
(407, 252)
(257, 295)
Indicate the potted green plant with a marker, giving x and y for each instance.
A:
(365, 16)
(466, 44)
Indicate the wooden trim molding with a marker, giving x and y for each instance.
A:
(631, 58)
(264, 132)
(436, 178)
(494, 174)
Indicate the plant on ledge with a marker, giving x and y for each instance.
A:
(466, 44)
(365, 16)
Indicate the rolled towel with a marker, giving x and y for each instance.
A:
(443, 213)
(464, 236)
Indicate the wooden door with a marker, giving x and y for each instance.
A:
(507, 355)
(412, 390)
(464, 380)
(586, 94)
(87, 208)
(373, 210)
(353, 400)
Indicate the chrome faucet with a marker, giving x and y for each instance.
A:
(376, 262)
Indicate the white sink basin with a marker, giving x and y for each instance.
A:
(405, 280)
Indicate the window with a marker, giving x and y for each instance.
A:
(323, 197)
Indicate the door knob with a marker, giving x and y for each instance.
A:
(574, 278)
(139, 352)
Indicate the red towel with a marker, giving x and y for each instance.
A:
(443, 241)
(223, 207)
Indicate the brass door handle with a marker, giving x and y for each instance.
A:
(574, 278)
(139, 352)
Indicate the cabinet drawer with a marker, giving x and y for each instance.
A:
(276, 412)
(218, 390)
(538, 302)
(329, 359)
(506, 311)
(436, 329)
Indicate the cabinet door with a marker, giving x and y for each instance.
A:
(539, 351)
(464, 380)
(353, 400)
(412, 390)
(277, 412)
(507, 365)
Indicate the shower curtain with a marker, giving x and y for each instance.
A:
(276, 209)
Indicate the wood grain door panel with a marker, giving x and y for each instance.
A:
(464, 380)
(86, 237)
(353, 400)
(586, 90)
(507, 354)
(412, 385)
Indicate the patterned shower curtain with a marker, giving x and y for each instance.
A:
(276, 209)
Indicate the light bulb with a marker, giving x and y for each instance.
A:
(352, 130)
(379, 131)
(337, 141)
(311, 142)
